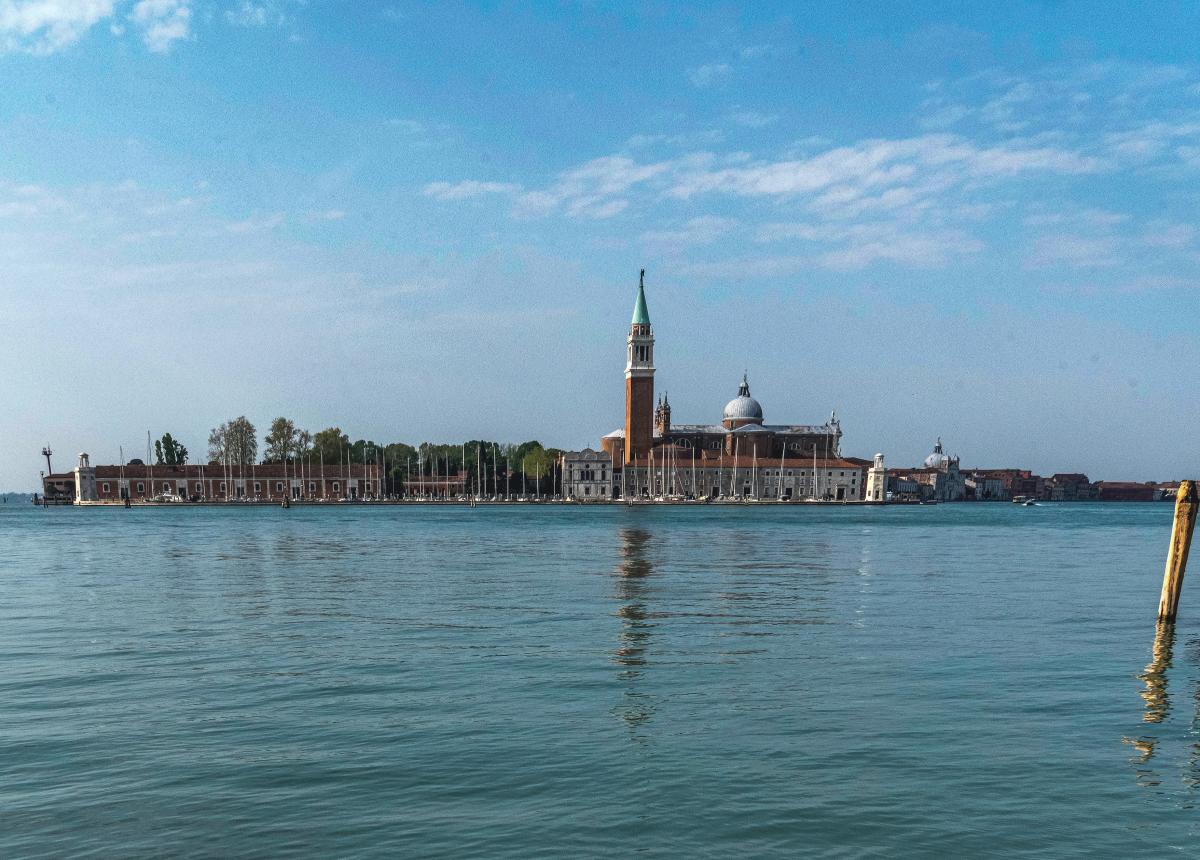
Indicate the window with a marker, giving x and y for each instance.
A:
(199, 487)
(105, 486)
(312, 487)
(166, 487)
(587, 491)
(279, 486)
(222, 486)
(257, 487)
(337, 487)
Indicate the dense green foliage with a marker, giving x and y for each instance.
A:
(168, 452)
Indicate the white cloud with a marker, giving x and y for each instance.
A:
(1154, 283)
(754, 119)
(408, 126)
(467, 189)
(1161, 234)
(709, 75)
(753, 52)
(325, 215)
(592, 190)
(856, 246)
(255, 224)
(884, 162)
(46, 26)
(1079, 252)
(27, 202)
(162, 22)
(703, 230)
(248, 14)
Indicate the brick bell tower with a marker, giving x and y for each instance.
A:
(639, 380)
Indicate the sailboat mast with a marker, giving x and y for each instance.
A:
(733, 484)
(779, 483)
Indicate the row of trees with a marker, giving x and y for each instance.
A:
(486, 463)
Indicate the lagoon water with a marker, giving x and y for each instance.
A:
(959, 680)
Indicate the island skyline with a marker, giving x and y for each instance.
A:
(695, 461)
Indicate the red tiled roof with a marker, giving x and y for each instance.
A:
(742, 461)
(218, 472)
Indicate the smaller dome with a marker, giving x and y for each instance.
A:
(743, 407)
(937, 459)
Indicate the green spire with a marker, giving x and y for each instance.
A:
(641, 316)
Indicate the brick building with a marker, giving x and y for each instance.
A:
(260, 482)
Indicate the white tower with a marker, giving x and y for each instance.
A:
(85, 481)
(876, 481)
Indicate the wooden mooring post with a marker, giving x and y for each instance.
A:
(1186, 505)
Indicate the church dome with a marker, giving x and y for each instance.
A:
(743, 407)
(937, 459)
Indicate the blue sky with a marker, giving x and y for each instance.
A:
(425, 222)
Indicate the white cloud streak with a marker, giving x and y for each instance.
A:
(467, 190)
(47, 26)
(162, 22)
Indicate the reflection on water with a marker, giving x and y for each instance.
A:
(1158, 704)
(631, 590)
(1155, 676)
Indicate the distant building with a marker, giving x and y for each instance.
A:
(1127, 491)
(742, 456)
(588, 475)
(1070, 487)
(983, 487)
(939, 479)
(1004, 484)
(876, 488)
(1168, 489)
(213, 482)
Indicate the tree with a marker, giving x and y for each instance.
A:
(168, 452)
(235, 440)
(281, 441)
(535, 462)
(304, 444)
(330, 443)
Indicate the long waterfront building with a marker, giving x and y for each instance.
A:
(213, 482)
